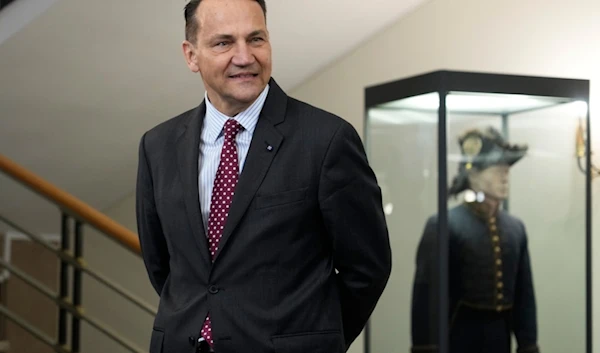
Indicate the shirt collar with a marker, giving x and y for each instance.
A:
(248, 118)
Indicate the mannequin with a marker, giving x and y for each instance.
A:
(491, 293)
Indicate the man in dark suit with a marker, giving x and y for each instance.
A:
(260, 220)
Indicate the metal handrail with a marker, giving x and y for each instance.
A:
(73, 310)
(80, 264)
(71, 205)
(32, 330)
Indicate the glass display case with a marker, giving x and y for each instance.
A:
(486, 188)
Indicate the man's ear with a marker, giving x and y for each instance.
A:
(190, 55)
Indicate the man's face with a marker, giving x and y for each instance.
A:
(232, 52)
(492, 181)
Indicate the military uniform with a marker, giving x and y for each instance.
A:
(491, 294)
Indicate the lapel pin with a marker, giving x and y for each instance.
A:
(269, 148)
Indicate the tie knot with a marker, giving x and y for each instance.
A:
(231, 128)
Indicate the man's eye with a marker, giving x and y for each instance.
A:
(256, 39)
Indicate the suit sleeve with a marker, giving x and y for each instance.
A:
(152, 241)
(424, 313)
(351, 204)
(525, 311)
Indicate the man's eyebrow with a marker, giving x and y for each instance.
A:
(222, 37)
(231, 37)
(257, 33)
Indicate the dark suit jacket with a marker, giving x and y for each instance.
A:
(302, 210)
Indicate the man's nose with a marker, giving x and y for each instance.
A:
(243, 55)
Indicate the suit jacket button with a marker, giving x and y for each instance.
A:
(213, 290)
(192, 341)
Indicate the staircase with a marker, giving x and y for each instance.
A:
(61, 256)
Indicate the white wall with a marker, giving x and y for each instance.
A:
(533, 37)
(17, 15)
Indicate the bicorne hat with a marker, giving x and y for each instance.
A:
(480, 149)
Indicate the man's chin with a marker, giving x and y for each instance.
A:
(246, 94)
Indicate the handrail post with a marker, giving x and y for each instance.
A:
(75, 330)
(64, 281)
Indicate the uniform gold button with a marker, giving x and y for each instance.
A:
(493, 220)
(499, 274)
(497, 249)
(499, 308)
(498, 262)
(493, 228)
(500, 296)
(500, 284)
(496, 238)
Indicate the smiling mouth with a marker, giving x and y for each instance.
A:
(243, 76)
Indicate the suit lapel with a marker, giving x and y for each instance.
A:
(188, 151)
(266, 141)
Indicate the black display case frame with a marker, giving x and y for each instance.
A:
(445, 81)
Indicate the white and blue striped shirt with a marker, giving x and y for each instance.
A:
(211, 142)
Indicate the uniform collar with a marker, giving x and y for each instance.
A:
(482, 210)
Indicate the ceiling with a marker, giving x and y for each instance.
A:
(81, 82)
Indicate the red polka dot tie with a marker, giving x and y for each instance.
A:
(222, 194)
